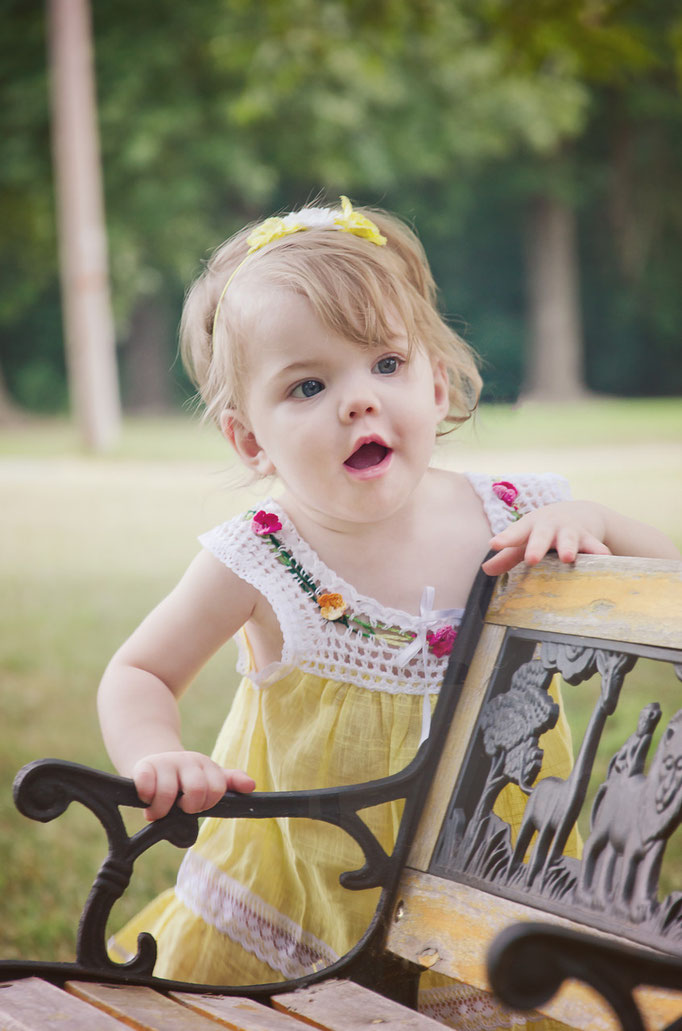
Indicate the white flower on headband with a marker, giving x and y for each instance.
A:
(347, 220)
(311, 218)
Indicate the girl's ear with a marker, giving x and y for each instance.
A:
(441, 389)
(242, 439)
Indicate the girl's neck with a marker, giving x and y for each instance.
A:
(329, 535)
(438, 539)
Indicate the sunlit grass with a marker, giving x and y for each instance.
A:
(88, 545)
(184, 437)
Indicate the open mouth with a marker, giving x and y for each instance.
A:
(368, 455)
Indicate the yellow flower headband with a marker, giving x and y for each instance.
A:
(347, 220)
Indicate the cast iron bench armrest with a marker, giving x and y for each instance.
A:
(528, 964)
(44, 789)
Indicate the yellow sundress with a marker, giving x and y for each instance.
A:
(258, 901)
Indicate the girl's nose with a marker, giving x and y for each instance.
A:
(358, 402)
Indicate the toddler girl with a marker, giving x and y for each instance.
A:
(317, 347)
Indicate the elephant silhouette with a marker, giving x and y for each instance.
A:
(633, 817)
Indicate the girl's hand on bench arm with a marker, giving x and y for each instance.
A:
(201, 783)
(572, 528)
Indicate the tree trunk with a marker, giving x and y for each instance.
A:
(9, 411)
(148, 359)
(88, 322)
(554, 366)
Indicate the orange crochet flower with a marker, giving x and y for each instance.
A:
(332, 606)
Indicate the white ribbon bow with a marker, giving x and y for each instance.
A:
(431, 618)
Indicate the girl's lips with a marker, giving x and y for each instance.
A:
(370, 453)
(369, 459)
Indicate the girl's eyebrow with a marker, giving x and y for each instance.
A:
(294, 370)
(302, 363)
(295, 363)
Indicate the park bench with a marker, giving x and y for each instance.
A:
(459, 895)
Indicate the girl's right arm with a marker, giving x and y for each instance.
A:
(138, 695)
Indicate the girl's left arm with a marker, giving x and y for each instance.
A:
(575, 527)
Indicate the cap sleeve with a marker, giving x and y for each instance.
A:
(534, 490)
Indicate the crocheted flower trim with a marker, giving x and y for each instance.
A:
(441, 641)
(265, 523)
(507, 493)
(332, 605)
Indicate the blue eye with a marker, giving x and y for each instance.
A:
(387, 366)
(308, 388)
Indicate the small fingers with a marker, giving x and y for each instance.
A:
(144, 777)
(540, 540)
(569, 543)
(157, 784)
(197, 786)
(190, 778)
(590, 545)
(505, 560)
(570, 528)
(237, 780)
(205, 784)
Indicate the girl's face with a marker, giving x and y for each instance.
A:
(349, 430)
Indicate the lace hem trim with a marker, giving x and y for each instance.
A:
(248, 920)
(466, 1008)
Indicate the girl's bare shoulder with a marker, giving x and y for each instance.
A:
(450, 488)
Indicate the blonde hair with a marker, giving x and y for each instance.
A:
(355, 288)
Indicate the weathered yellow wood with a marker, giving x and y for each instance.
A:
(459, 735)
(345, 1006)
(456, 923)
(139, 1007)
(238, 1013)
(624, 599)
(35, 1005)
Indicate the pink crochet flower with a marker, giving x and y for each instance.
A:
(506, 492)
(441, 641)
(264, 523)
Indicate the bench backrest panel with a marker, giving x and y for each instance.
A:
(468, 874)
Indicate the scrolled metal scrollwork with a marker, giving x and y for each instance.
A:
(43, 791)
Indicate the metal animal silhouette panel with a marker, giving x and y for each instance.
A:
(621, 801)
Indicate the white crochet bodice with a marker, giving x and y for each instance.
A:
(372, 646)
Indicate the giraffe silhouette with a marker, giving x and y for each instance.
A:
(554, 804)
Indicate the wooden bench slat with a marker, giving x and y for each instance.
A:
(142, 1008)
(455, 923)
(35, 1005)
(238, 1013)
(588, 598)
(346, 1006)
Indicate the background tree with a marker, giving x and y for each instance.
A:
(88, 322)
(455, 114)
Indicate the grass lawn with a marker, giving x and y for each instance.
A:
(88, 545)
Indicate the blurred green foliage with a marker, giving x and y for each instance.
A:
(453, 113)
